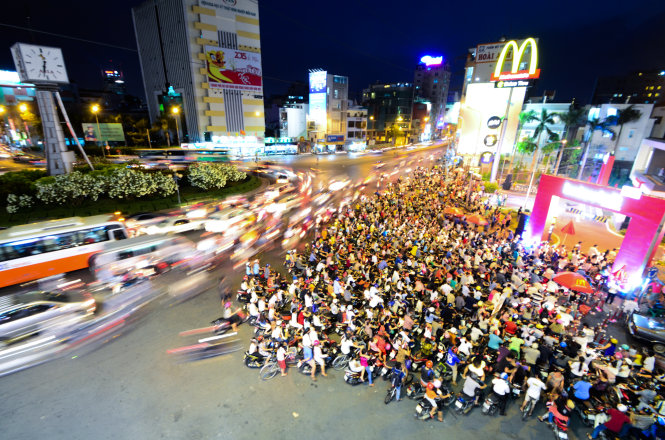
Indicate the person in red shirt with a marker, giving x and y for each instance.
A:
(510, 327)
(618, 417)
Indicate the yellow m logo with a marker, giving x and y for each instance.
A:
(580, 282)
(518, 53)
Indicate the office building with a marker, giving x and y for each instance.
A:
(389, 108)
(431, 82)
(205, 58)
(293, 120)
(356, 123)
(635, 88)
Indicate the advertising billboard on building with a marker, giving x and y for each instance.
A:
(317, 100)
(233, 69)
(109, 132)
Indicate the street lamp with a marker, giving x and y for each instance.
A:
(176, 114)
(23, 108)
(95, 109)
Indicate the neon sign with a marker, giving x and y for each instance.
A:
(518, 53)
(610, 200)
(431, 61)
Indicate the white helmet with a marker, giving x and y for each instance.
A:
(437, 383)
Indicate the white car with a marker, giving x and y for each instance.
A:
(226, 219)
(27, 314)
(137, 222)
(284, 203)
(174, 225)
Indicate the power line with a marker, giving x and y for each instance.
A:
(68, 37)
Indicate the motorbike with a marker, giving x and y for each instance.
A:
(253, 360)
(491, 404)
(353, 377)
(415, 391)
(528, 409)
(464, 404)
(424, 409)
(560, 429)
(587, 413)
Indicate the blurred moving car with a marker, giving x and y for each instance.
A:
(226, 219)
(22, 157)
(173, 225)
(29, 314)
(650, 329)
(136, 222)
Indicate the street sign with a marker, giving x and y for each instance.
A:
(490, 140)
(494, 122)
(652, 273)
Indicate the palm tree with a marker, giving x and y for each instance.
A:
(625, 116)
(544, 120)
(524, 118)
(573, 119)
(594, 125)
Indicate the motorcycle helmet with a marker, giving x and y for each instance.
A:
(621, 407)
(571, 405)
(227, 305)
(504, 376)
(429, 364)
(430, 386)
(437, 383)
(316, 343)
(387, 347)
(614, 341)
(625, 347)
(563, 345)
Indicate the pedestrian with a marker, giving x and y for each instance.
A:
(281, 358)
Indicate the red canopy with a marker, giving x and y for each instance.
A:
(569, 228)
(477, 219)
(573, 281)
(453, 211)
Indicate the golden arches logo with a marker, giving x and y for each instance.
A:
(518, 53)
(580, 282)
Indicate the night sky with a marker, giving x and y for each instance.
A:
(373, 40)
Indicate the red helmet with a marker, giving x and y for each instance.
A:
(430, 386)
(429, 364)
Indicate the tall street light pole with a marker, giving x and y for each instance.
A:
(176, 114)
(95, 109)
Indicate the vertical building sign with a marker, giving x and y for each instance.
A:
(317, 99)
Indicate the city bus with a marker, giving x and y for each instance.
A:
(37, 250)
(179, 155)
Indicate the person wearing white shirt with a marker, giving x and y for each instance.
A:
(501, 389)
(534, 387)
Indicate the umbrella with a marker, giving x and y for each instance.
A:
(454, 211)
(477, 219)
(573, 281)
(569, 229)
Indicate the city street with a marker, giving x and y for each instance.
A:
(131, 388)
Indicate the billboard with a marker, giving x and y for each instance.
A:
(516, 54)
(317, 81)
(317, 99)
(233, 69)
(109, 132)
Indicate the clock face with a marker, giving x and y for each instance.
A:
(41, 64)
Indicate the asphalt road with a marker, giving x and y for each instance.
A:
(130, 388)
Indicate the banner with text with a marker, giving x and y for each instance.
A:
(233, 69)
(109, 132)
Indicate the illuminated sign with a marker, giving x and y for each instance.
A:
(494, 122)
(517, 52)
(609, 200)
(510, 84)
(490, 140)
(317, 81)
(233, 69)
(486, 157)
(431, 61)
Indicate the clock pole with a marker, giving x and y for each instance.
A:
(58, 159)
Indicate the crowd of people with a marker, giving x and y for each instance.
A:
(393, 280)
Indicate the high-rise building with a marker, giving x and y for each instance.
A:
(431, 82)
(328, 98)
(635, 88)
(389, 108)
(204, 56)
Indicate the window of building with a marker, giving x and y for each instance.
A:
(436, 81)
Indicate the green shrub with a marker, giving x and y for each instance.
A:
(491, 187)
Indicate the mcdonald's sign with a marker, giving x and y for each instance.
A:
(517, 54)
(581, 282)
